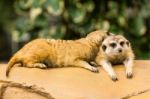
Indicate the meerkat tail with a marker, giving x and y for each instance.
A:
(11, 63)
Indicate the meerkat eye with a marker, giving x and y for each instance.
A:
(104, 47)
(113, 45)
(122, 43)
(127, 43)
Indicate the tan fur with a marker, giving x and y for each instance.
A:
(111, 56)
(42, 53)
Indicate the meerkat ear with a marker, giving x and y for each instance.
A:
(109, 33)
(104, 47)
(127, 42)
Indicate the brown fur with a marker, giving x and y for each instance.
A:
(44, 53)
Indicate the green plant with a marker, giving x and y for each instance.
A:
(70, 19)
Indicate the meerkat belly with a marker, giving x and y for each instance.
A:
(117, 59)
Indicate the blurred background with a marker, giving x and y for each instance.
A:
(24, 20)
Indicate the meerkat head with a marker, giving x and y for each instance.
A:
(98, 36)
(115, 45)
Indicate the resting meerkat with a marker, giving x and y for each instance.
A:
(43, 53)
(115, 49)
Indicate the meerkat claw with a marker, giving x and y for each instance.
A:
(129, 75)
(93, 64)
(114, 78)
(94, 69)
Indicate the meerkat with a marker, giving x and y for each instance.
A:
(43, 53)
(115, 49)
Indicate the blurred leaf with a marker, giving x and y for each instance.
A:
(23, 24)
(19, 36)
(114, 29)
(89, 5)
(25, 4)
(44, 33)
(138, 26)
(77, 13)
(74, 18)
(38, 3)
(57, 31)
(55, 7)
(113, 12)
(41, 21)
(122, 21)
(34, 12)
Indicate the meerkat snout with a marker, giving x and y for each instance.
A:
(119, 50)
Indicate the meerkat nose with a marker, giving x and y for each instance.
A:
(119, 50)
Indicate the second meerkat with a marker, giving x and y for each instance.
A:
(43, 53)
(115, 49)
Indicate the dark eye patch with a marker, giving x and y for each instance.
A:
(122, 43)
(104, 47)
(113, 45)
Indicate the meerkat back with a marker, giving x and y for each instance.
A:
(34, 51)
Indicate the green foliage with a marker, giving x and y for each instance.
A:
(69, 18)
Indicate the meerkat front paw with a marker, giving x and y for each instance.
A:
(93, 64)
(129, 74)
(114, 78)
(94, 69)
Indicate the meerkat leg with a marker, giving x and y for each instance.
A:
(86, 65)
(128, 65)
(18, 65)
(36, 65)
(108, 68)
(30, 62)
(93, 64)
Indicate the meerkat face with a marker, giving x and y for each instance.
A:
(115, 45)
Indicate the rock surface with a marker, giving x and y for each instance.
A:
(76, 83)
